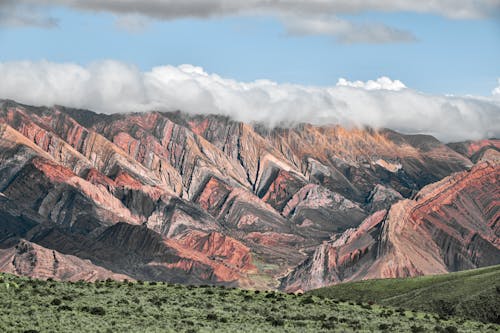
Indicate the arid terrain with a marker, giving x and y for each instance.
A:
(207, 200)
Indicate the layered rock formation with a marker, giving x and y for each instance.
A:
(205, 199)
(451, 225)
(32, 260)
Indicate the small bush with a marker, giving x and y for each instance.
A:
(366, 306)
(275, 321)
(56, 301)
(211, 316)
(328, 325)
(65, 308)
(307, 300)
(97, 311)
(450, 329)
(383, 326)
(417, 329)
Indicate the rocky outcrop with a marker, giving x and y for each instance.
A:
(28, 259)
(474, 150)
(451, 225)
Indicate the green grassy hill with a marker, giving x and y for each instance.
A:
(28, 305)
(472, 294)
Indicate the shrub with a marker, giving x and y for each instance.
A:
(97, 311)
(366, 306)
(383, 326)
(275, 321)
(417, 329)
(211, 316)
(328, 325)
(65, 308)
(444, 307)
(56, 301)
(450, 329)
(307, 300)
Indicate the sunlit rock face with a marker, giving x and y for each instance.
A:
(205, 199)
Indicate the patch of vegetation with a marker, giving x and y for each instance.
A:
(473, 294)
(29, 305)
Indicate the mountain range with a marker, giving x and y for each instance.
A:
(204, 199)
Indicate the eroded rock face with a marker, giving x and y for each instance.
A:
(205, 199)
(28, 259)
(451, 225)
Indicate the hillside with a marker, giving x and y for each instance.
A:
(28, 305)
(473, 294)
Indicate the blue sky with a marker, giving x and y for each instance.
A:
(449, 56)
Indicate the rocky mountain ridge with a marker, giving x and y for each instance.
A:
(205, 199)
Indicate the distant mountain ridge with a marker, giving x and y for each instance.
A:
(205, 199)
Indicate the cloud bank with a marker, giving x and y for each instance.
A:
(112, 86)
(300, 17)
(171, 9)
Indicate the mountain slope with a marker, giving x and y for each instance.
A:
(472, 294)
(450, 225)
(225, 202)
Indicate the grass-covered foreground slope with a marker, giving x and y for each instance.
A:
(47, 306)
(472, 294)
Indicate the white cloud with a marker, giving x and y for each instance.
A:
(382, 83)
(345, 31)
(496, 91)
(112, 86)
